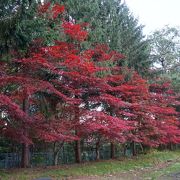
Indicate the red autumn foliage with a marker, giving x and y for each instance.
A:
(54, 11)
(74, 31)
(57, 9)
(119, 105)
(44, 8)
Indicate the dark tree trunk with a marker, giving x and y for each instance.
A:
(133, 147)
(78, 151)
(25, 146)
(77, 142)
(97, 151)
(112, 150)
(25, 156)
(124, 149)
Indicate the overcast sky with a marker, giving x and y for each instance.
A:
(155, 14)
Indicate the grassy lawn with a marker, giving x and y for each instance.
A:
(96, 168)
(165, 171)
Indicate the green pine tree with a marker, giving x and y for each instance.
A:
(111, 22)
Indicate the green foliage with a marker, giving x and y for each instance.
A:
(14, 17)
(4, 145)
(174, 77)
(38, 159)
(21, 24)
(111, 22)
(165, 54)
(165, 45)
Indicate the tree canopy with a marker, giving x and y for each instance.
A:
(112, 23)
(165, 54)
(71, 82)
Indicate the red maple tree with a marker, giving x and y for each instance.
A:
(64, 93)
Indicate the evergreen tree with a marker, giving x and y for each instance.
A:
(21, 22)
(111, 22)
(16, 23)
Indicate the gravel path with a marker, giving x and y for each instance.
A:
(174, 176)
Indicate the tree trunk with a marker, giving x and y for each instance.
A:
(77, 142)
(97, 151)
(78, 151)
(25, 146)
(142, 149)
(170, 147)
(56, 155)
(112, 150)
(56, 151)
(124, 149)
(25, 156)
(133, 145)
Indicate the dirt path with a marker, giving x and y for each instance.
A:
(137, 174)
(174, 176)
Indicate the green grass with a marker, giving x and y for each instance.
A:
(165, 171)
(92, 168)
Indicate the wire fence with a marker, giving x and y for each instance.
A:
(66, 156)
